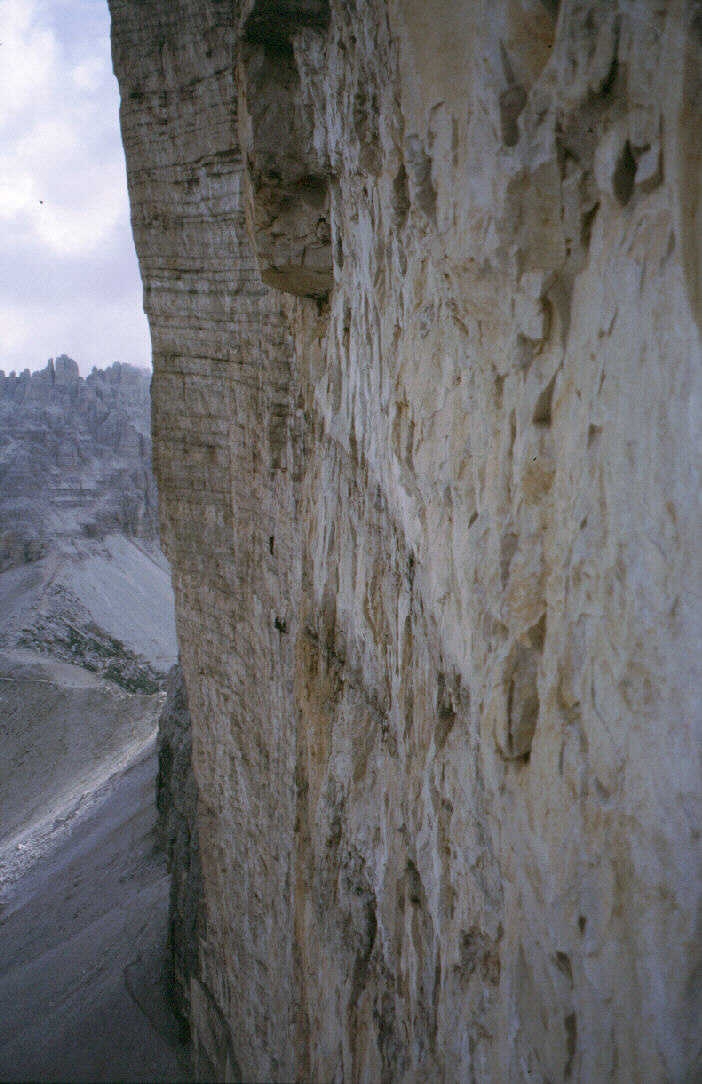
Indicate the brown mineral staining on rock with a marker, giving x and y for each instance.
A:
(423, 289)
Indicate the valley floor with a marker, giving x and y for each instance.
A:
(82, 929)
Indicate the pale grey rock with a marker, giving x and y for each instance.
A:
(434, 529)
(81, 575)
(75, 458)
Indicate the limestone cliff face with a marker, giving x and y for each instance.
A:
(424, 290)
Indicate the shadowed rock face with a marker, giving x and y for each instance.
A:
(176, 799)
(429, 508)
(288, 173)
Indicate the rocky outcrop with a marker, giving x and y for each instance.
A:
(86, 608)
(430, 512)
(65, 629)
(75, 458)
(82, 578)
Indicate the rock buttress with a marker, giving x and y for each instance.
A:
(226, 458)
(431, 522)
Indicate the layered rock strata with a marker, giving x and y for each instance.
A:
(431, 518)
(75, 458)
(82, 578)
(87, 628)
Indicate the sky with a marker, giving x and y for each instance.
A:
(69, 280)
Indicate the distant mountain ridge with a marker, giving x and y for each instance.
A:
(82, 577)
(87, 629)
(75, 458)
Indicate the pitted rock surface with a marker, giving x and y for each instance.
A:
(423, 283)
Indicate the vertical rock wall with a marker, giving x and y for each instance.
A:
(432, 523)
(177, 803)
(224, 422)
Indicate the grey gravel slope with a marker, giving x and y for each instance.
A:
(82, 938)
(86, 637)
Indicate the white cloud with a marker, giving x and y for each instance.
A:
(29, 59)
(90, 74)
(102, 331)
(15, 328)
(63, 201)
(17, 196)
(49, 139)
